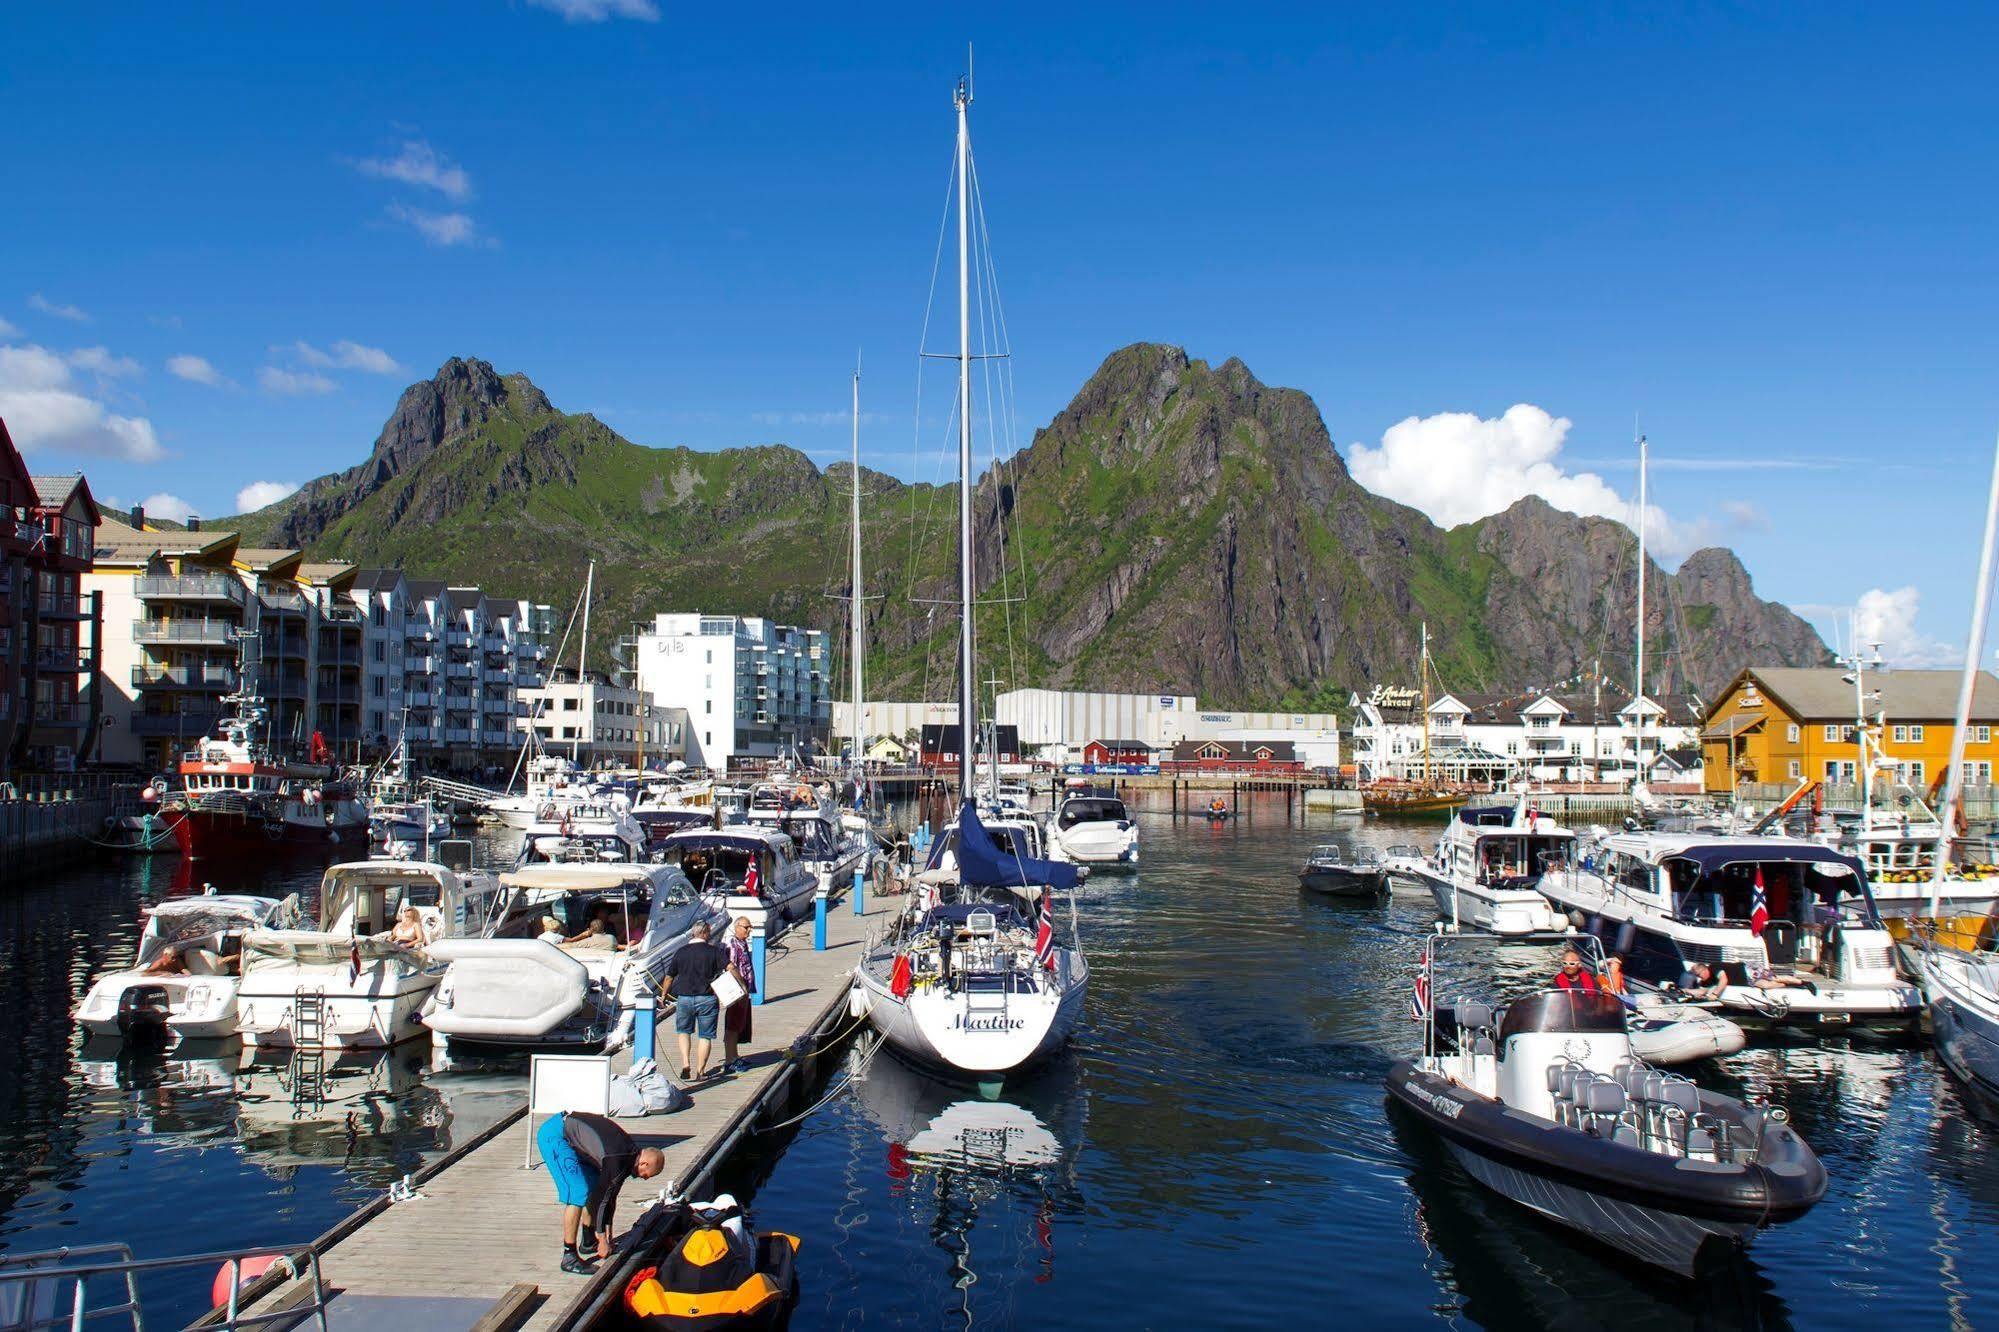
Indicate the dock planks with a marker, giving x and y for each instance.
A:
(485, 1226)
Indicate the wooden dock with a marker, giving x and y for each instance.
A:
(481, 1247)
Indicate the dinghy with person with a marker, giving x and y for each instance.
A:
(1542, 1099)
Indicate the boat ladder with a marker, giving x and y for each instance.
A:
(33, 1294)
(308, 1080)
(309, 1018)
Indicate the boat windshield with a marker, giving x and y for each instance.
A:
(1806, 895)
(713, 864)
(1507, 857)
(1095, 809)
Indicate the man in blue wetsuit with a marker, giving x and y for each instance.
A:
(589, 1158)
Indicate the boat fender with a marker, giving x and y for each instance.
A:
(250, 1269)
(858, 1003)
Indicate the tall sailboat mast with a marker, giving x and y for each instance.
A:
(1638, 684)
(1423, 671)
(583, 660)
(1974, 648)
(968, 717)
(858, 606)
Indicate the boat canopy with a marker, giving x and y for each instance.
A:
(982, 864)
(1720, 855)
(1562, 1010)
(1486, 816)
(579, 878)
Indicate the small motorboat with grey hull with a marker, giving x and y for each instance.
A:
(1338, 872)
(1543, 1100)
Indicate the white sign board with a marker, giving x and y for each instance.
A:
(558, 1084)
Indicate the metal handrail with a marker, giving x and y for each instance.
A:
(20, 1267)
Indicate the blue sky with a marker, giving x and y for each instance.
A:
(1761, 232)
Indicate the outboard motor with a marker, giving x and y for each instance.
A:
(143, 1011)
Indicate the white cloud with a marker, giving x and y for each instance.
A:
(1744, 516)
(348, 356)
(440, 228)
(1458, 467)
(293, 382)
(420, 164)
(7, 330)
(195, 369)
(48, 307)
(100, 362)
(259, 494)
(170, 507)
(1889, 618)
(44, 410)
(829, 418)
(597, 11)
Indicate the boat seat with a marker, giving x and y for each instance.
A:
(1482, 1044)
(202, 962)
(1632, 1079)
(1626, 1135)
(1700, 1142)
(1475, 1015)
(1682, 1096)
(1603, 1098)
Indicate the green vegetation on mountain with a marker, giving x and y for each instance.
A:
(1176, 528)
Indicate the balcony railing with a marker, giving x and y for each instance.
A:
(57, 714)
(212, 633)
(460, 670)
(59, 605)
(460, 735)
(339, 691)
(284, 600)
(187, 725)
(419, 698)
(183, 677)
(219, 587)
(57, 661)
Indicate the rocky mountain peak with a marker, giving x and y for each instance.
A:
(461, 397)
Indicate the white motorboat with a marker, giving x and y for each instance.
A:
(1487, 867)
(1095, 829)
(1900, 850)
(510, 988)
(552, 783)
(347, 985)
(197, 999)
(411, 822)
(584, 832)
(752, 871)
(1963, 991)
(1819, 958)
(825, 840)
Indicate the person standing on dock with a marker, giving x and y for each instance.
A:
(691, 981)
(736, 1017)
(590, 1158)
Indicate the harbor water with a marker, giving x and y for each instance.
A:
(1215, 1151)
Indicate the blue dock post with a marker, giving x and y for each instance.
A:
(819, 912)
(760, 979)
(859, 892)
(645, 1027)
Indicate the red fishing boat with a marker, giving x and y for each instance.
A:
(237, 798)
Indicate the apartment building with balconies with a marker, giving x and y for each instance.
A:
(50, 628)
(600, 723)
(751, 687)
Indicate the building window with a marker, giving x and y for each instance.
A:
(1832, 735)
(1797, 768)
(1985, 735)
(1915, 735)
(1791, 734)
(1901, 735)
(1915, 774)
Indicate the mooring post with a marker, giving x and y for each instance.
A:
(760, 980)
(819, 910)
(859, 892)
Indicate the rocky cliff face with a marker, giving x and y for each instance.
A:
(1178, 526)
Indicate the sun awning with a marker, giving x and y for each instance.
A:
(1717, 855)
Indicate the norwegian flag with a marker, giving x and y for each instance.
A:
(1759, 907)
(751, 880)
(353, 961)
(1419, 1001)
(1044, 933)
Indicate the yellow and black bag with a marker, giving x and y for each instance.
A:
(708, 1283)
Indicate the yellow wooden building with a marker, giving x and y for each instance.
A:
(1785, 723)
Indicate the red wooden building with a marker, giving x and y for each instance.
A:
(1101, 752)
(1247, 757)
(50, 631)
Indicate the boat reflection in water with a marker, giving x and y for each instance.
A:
(953, 1150)
(373, 1113)
(1514, 1269)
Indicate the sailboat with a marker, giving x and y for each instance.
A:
(1401, 795)
(975, 979)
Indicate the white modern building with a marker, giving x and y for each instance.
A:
(1056, 724)
(751, 688)
(895, 720)
(1545, 736)
(599, 723)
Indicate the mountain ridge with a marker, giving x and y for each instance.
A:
(1176, 526)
